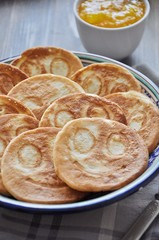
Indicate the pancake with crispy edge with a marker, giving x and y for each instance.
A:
(96, 154)
(9, 77)
(11, 125)
(28, 171)
(105, 78)
(39, 91)
(79, 105)
(39, 60)
(142, 115)
(9, 105)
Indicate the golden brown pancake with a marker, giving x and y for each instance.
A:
(9, 105)
(28, 171)
(12, 125)
(9, 77)
(79, 105)
(105, 78)
(96, 154)
(39, 91)
(142, 115)
(39, 60)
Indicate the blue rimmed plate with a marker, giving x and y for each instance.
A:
(99, 200)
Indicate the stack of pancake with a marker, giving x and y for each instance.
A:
(67, 130)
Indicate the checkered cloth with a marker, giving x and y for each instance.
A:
(106, 223)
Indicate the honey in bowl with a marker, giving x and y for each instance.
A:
(111, 14)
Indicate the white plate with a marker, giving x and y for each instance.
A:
(99, 200)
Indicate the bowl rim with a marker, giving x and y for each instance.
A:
(99, 201)
(75, 6)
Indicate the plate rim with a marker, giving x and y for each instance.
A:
(106, 199)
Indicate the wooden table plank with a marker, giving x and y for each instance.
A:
(26, 23)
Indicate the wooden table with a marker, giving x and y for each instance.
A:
(28, 23)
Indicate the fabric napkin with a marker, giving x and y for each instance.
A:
(105, 223)
(149, 72)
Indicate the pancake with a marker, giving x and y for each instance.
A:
(9, 77)
(12, 125)
(105, 78)
(9, 105)
(142, 115)
(39, 91)
(79, 105)
(96, 154)
(28, 172)
(39, 60)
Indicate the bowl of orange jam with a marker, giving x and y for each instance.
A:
(111, 28)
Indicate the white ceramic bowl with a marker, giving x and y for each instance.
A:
(116, 43)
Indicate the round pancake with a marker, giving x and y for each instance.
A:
(96, 154)
(28, 171)
(79, 105)
(12, 125)
(105, 78)
(142, 115)
(9, 105)
(39, 91)
(9, 77)
(39, 60)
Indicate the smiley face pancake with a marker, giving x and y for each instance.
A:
(80, 105)
(142, 115)
(39, 60)
(96, 154)
(9, 105)
(9, 77)
(11, 125)
(105, 78)
(28, 172)
(39, 91)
